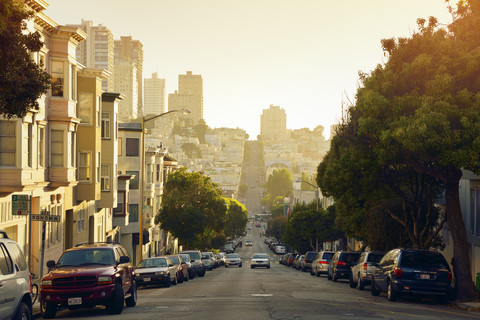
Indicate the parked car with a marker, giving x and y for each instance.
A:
(284, 258)
(222, 257)
(361, 274)
(157, 270)
(291, 259)
(15, 281)
(207, 261)
(182, 267)
(89, 275)
(186, 258)
(260, 260)
(341, 264)
(321, 262)
(279, 249)
(307, 263)
(298, 261)
(412, 272)
(196, 261)
(233, 259)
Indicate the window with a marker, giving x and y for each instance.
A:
(133, 213)
(98, 111)
(41, 147)
(115, 122)
(85, 101)
(8, 143)
(105, 178)
(29, 145)
(120, 146)
(57, 78)
(134, 181)
(84, 166)
(73, 76)
(6, 264)
(97, 164)
(132, 147)
(57, 148)
(149, 173)
(72, 148)
(105, 125)
(81, 220)
(158, 173)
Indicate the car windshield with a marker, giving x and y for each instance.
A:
(260, 256)
(175, 260)
(232, 255)
(86, 256)
(327, 256)
(153, 263)
(185, 257)
(194, 255)
(423, 259)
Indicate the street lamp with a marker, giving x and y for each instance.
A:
(317, 192)
(142, 177)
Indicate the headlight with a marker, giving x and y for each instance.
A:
(104, 280)
(160, 273)
(46, 283)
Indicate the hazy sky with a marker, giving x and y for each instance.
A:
(301, 55)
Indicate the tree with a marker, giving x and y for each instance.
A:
(22, 81)
(276, 226)
(237, 218)
(421, 107)
(193, 209)
(279, 184)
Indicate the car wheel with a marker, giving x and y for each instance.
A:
(226, 266)
(23, 312)
(375, 292)
(350, 282)
(132, 300)
(117, 300)
(49, 310)
(329, 277)
(252, 267)
(240, 265)
(360, 284)
(334, 276)
(181, 277)
(268, 267)
(175, 279)
(202, 274)
(392, 295)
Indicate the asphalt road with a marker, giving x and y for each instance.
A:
(276, 293)
(254, 175)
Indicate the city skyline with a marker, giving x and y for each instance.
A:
(303, 57)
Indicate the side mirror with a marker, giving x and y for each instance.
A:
(51, 264)
(124, 259)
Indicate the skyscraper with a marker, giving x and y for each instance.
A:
(189, 96)
(131, 51)
(273, 124)
(154, 95)
(97, 50)
(126, 83)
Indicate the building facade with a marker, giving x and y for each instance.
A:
(154, 95)
(273, 124)
(188, 96)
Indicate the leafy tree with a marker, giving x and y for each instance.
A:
(193, 209)
(311, 181)
(237, 218)
(421, 110)
(22, 81)
(276, 226)
(279, 184)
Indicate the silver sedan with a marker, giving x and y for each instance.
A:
(260, 260)
(233, 259)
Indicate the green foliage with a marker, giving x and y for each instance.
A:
(276, 226)
(311, 181)
(22, 81)
(193, 209)
(279, 185)
(237, 218)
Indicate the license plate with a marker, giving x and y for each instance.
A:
(424, 276)
(146, 279)
(74, 301)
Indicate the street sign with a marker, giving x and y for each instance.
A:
(45, 217)
(20, 204)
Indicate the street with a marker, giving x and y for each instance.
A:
(276, 293)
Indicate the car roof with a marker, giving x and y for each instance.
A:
(105, 245)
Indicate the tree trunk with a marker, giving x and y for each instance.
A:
(464, 287)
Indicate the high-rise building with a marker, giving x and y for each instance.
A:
(273, 124)
(131, 51)
(189, 95)
(154, 95)
(97, 50)
(127, 84)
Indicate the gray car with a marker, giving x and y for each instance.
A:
(260, 260)
(362, 272)
(321, 262)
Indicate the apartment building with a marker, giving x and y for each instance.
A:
(154, 95)
(188, 96)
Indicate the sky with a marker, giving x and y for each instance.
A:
(301, 55)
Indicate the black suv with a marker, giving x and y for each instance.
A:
(341, 264)
(309, 257)
(196, 261)
(413, 272)
(89, 275)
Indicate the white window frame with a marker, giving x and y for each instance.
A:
(106, 125)
(85, 107)
(57, 148)
(81, 220)
(8, 139)
(105, 177)
(87, 177)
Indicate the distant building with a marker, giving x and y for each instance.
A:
(273, 124)
(128, 51)
(189, 96)
(154, 95)
(127, 84)
(97, 50)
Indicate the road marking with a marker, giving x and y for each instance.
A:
(161, 307)
(261, 295)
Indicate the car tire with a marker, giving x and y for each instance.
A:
(182, 277)
(24, 312)
(132, 300)
(374, 290)
(350, 282)
(360, 283)
(268, 267)
(334, 277)
(175, 279)
(117, 300)
(226, 266)
(202, 274)
(49, 310)
(252, 267)
(392, 294)
(329, 277)
(168, 281)
(240, 266)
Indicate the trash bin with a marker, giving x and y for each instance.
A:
(477, 282)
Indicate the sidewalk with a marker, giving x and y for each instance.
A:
(468, 306)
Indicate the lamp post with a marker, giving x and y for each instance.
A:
(142, 177)
(317, 192)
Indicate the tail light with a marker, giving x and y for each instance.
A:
(31, 287)
(341, 263)
(365, 265)
(324, 262)
(449, 275)
(398, 272)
